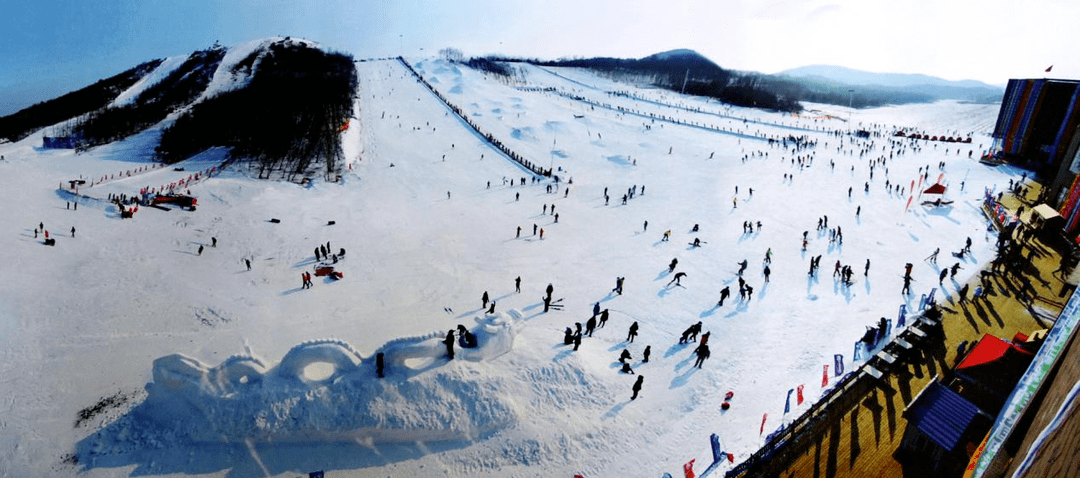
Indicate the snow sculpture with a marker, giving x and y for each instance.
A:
(243, 398)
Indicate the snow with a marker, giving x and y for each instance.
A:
(162, 71)
(202, 367)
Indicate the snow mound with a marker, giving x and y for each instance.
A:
(244, 398)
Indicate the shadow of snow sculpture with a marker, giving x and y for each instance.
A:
(231, 415)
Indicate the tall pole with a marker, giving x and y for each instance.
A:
(685, 79)
(850, 96)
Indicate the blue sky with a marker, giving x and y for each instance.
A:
(51, 47)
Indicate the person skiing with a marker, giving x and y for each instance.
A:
(667, 236)
(933, 257)
(724, 293)
(637, 386)
(671, 266)
(633, 332)
(742, 267)
(677, 278)
(549, 290)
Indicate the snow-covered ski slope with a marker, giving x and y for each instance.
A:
(84, 321)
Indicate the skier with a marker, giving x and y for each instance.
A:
(742, 267)
(678, 276)
(637, 386)
(944, 272)
(618, 285)
(549, 290)
(933, 257)
(724, 293)
(907, 285)
(671, 266)
(633, 332)
(667, 236)
(953, 269)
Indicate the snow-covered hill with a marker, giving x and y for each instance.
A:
(115, 344)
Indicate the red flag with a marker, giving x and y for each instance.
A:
(1048, 68)
(730, 458)
(798, 395)
(688, 468)
(763, 418)
(825, 377)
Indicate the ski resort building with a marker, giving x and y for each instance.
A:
(1038, 127)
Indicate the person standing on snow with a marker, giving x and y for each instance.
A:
(646, 353)
(449, 341)
(702, 354)
(724, 293)
(590, 325)
(633, 332)
(637, 386)
(671, 266)
(484, 298)
(603, 318)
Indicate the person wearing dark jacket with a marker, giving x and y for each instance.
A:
(633, 332)
(449, 341)
(624, 356)
(646, 353)
(702, 354)
(637, 386)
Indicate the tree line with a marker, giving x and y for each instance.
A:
(21, 124)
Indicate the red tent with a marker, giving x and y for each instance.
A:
(935, 189)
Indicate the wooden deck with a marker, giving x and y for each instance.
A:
(861, 441)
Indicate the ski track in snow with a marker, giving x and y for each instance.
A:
(86, 319)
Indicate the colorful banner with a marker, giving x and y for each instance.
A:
(787, 402)
(839, 360)
(798, 395)
(825, 377)
(688, 469)
(763, 418)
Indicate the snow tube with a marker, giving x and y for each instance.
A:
(341, 356)
(324, 271)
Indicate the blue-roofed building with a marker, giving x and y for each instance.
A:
(943, 429)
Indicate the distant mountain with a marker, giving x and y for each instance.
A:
(832, 78)
(687, 71)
